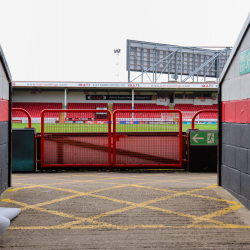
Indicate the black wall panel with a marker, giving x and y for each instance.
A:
(235, 160)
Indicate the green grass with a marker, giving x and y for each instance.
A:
(68, 127)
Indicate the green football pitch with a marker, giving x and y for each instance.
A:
(77, 128)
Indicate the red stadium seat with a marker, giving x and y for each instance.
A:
(35, 109)
(84, 106)
(138, 106)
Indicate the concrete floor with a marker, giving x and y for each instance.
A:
(123, 210)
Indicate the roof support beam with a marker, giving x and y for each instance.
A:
(204, 64)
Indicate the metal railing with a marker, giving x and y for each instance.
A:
(26, 112)
(203, 111)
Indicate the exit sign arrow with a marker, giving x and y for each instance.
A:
(195, 138)
(203, 138)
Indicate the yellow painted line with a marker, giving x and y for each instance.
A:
(51, 202)
(16, 189)
(39, 208)
(145, 205)
(121, 227)
(61, 183)
(127, 227)
(84, 193)
(179, 194)
(77, 194)
(68, 182)
(221, 212)
(73, 224)
(156, 189)
(221, 226)
(215, 199)
(65, 225)
(134, 205)
(195, 195)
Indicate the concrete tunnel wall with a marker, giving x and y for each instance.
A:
(235, 125)
(5, 124)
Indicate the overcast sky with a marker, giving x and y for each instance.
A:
(74, 40)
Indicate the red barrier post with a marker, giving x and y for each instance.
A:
(203, 111)
(26, 112)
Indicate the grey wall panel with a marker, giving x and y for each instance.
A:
(245, 87)
(230, 72)
(5, 89)
(225, 133)
(2, 73)
(223, 154)
(244, 201)
(245, 185)
(1, 133)
(245, 134)
(236, 66)
(235, 134)
(5, 131)
(234, 89)
(235, 180)
(225, 91)
(6, 153)
(248, 162)
(225, 178)
(2, 154)
(230, 156)
(1, 184)
(5, 177)
(241, 159)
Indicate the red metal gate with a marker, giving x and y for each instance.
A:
(147, 139)
(74, 138)
(18, 114)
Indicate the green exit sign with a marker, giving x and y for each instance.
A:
(203, 138)
(245, 62)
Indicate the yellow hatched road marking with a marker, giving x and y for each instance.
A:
(131, 205)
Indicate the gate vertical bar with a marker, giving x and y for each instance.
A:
(114, 138)
(109, 140)
(42, 139)
(180, 135)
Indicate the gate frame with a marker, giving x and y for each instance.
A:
(156, 166)
(74, 166)
(26, 112)
(203, 111)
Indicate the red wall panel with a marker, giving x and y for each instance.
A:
(236, 111)
(230, 111)
(223, 111)
(4, 110)
(248, 110)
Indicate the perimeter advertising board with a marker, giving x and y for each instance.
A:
(117, 85)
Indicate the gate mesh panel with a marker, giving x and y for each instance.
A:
(147, 138)
(75, 139)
